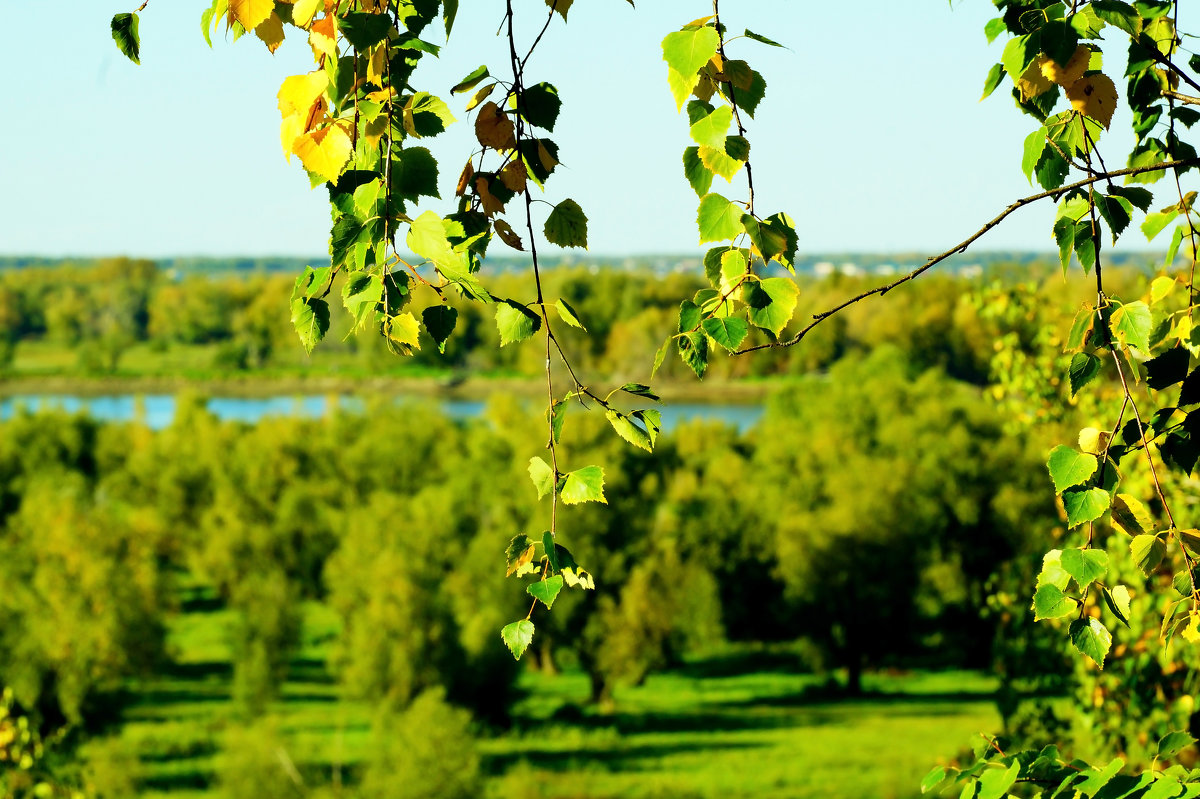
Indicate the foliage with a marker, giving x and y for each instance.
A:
(427, 752)
(1128, 553)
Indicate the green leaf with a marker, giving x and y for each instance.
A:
(770, 303)
(993, 80)
(689, 316)
(517, 636)
(1131, 325)
(994, 28)
(414, 174)
(515, 322)
(711, 130)
(1167, 369)
(518, 553)
(558, 417)
(1085, 565)
(1147, 551)
(995, 782)
(1069, 467)
(310, 318)
(1154, 223)
(1052, 572)
(362, 29)
(1173, 743)
(661, 356)
(685, 53)
(1084, 368)
(693, 349)
(1035, 143)
(1064, 236)
(639, 436)
(584, 485)
(541, 105)
(1094, 640)
(567, 314)
(758, 37)
(1096, 778)
(727, 331)
(699, 177)
(361, 295)
(1017, 56)
(933, 779)
(542, 476)
(1117, 600)
(567, 225)
(206, 21)
(439, 323)
(1120, 14)
(1131, 515)
(546, 591)
(424, 114)
(125, 34)
(718, 219)
(746, 87)
(640, 390)
(473, 79)
(1051, 170)
(1084, 505)
(774, 238)
(574, 576)
(1050, 602)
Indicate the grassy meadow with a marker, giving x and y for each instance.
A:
(740, 723)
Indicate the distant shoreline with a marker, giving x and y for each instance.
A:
(467, 388)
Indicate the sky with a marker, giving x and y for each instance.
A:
(870, 136)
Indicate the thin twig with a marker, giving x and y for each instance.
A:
(962, 246)
(1183, 98)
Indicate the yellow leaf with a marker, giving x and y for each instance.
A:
(376, 64)
(705, 87)
(297, 93)
(251, 13)
(271, 32)
(548, 161)
(302, 105)
(303, 12)
(561, 6)
(1033, 82)
(464, 179)
(480, 95)
(1065, 75)
(508, 235)
(323, 38)
(1192, 632)
(490, 204)
(698, 23)
(494, 129)
(1183, 329)
(1161, 287)
(404, 330)
(1093, 440)
(324, 152)
(1095, 96)
(514, 176)
(373, 131)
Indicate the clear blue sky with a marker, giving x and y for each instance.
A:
(870, 134)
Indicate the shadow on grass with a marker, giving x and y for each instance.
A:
(825, 694)
(704, 720)
(614, 759)
(185, 780)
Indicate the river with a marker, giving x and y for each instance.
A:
(157, 410)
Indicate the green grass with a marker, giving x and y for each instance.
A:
(738, 725)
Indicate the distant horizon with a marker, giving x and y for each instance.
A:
(1123, 254)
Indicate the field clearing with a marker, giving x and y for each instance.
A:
(718, 727)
